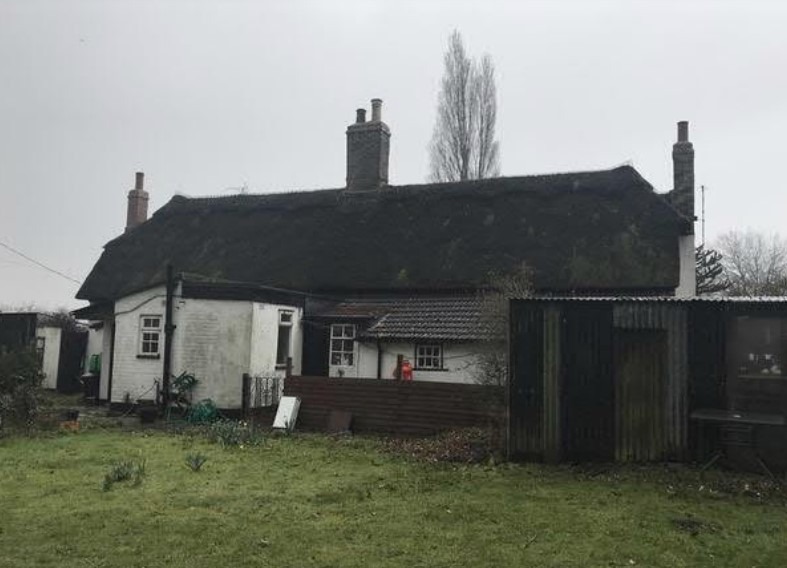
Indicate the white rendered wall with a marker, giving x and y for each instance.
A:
(133, 375)
(212, 341)
(688, 272)
(215, 340)
(459, 361)
(265, 336)
(51, 336)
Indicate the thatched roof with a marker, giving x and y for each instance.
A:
(604, 230)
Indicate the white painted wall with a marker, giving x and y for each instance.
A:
(688, 272)
(265, 335)
(95, 344)
(215, 340)
(458, 360)
(52, 337)
(133, 375)
(212, 341)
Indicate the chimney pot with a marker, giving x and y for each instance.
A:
(360, 116)
(139, 182)
(683, 131)
(377, 108)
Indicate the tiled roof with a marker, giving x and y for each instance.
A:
(457, 318)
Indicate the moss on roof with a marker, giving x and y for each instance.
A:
(588, 230)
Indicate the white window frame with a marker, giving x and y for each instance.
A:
(286, 318)
(343, 333)
(150, 334)
(429, 357)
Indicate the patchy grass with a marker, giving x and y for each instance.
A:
(305, 501)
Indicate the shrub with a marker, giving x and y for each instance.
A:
(126, 470)
(230, 433)
(202, 412)
(21, 394)
(196, 461)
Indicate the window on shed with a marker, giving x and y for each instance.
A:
(343, 344)
(40, 346)
(284, 342)
(150, 336)
(429, 357)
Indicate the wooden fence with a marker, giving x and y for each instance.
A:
(395, 406)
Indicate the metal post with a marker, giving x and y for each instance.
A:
(245, 397)
(169, 329)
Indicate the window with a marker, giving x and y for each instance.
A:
(429, 357)
(285, 338)
(758, 347)
(40, 346)
(343, 344)
(150, 336)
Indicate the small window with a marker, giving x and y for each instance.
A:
(40, 346)
(150, 336)
(285, 338)
(343, 344)
(429, 357)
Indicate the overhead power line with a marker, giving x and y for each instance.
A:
(34, 261)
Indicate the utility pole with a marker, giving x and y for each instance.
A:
(702, 192)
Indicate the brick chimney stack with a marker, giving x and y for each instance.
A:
(137, 211)
(683, 172)
(368, 147)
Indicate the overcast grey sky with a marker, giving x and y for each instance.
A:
(204, 96)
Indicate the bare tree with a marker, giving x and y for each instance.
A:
(755, 264)
(491, 363)
(463, 143)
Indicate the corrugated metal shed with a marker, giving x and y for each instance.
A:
(616, 378)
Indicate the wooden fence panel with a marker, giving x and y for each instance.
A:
(395, 406)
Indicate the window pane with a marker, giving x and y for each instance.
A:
(285, 317)
(283, 345)
(347, 345)
(336, 359)
(336, 331)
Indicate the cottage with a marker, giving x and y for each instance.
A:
(345, 280)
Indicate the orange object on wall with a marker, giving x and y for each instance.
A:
(407, 370)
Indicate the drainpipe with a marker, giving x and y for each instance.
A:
(379, 360)
(111, 362)
(169, 330)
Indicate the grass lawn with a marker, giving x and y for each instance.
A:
(315, 501)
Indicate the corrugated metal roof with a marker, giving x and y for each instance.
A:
(664, 299)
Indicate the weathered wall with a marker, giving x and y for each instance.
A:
(458, 361)
(95, 344)
(688, 271)
(132, 375)
(213, 342)
(264, 339)
(51, 336)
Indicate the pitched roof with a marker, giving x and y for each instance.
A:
(597, 230)
(454, 318)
